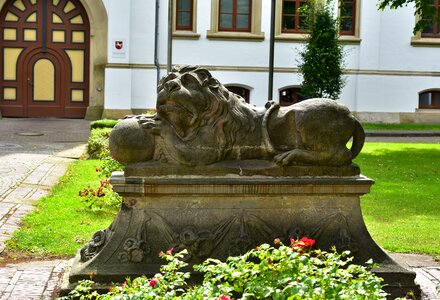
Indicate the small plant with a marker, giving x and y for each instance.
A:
(83, 291)
(103, 196)
(266, 272)
(98, 142)
(109, 164)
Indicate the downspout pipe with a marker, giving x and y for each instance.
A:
(271, 51)
(170, 35)
(156, 43)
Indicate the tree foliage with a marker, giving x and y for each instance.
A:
(322, 58)
(422, 8)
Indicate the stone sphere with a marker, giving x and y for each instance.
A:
(130, 143)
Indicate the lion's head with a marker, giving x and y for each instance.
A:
(190, 97)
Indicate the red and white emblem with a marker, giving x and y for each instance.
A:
(119, 45)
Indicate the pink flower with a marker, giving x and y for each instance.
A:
(224, 298)
(169, 251)
(153, 282)
(276, 241)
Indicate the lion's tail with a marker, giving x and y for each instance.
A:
(358, 139)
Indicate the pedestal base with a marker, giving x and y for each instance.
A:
(228, 215)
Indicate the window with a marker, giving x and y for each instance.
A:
(433, 27)
(235, 15)
(292, 26)
(290, 95)
(236, 19)
(241, 91)
(185, 17)
(347, 16)
(292, 20)
(429, 99)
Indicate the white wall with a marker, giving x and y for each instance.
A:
(119, 28)
(143, 88)
(118, 88)
(142, 31)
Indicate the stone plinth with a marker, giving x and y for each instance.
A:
(219, 216)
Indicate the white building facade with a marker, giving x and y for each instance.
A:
(391, 75)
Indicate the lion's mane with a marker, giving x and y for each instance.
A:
(227, 112)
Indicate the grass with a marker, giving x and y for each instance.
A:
(368, 126)
(402, 212)
(61, 224)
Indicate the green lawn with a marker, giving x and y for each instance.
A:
(401, 126)
(402, 211)
(61, 224)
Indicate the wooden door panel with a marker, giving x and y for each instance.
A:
(49, 37)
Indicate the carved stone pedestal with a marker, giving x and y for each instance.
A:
(219, 216)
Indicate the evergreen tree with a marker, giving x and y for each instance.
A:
(322, 58)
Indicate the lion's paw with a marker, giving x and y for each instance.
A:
(150, 124)
(285, 158)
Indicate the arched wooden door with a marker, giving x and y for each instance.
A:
(44, 59)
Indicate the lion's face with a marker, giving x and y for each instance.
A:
(184, 98)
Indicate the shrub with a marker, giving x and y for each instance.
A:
(281, 272)
(104, 123)
(98, 142)
(102, 196)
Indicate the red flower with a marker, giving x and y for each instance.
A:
(302, 243)
(307, 241)
(153, 282)
(224, 298)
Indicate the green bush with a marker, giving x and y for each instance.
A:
(103, 196)
(282, 272)
(104, 123)
(98, 142)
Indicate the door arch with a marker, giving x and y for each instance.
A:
(44, 63)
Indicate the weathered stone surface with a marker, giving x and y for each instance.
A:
(219, 216)
(130, 143)
(249, 167)
(199, 122)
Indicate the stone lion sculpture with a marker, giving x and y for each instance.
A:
(199, 122)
